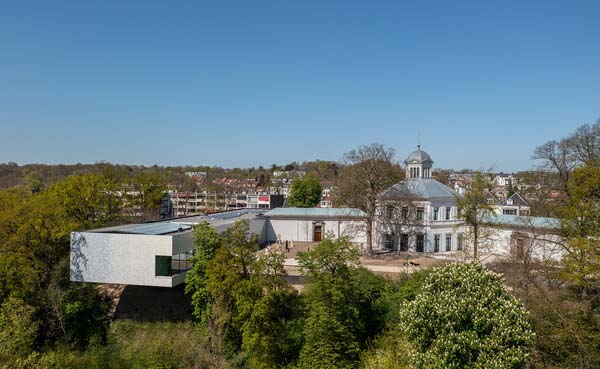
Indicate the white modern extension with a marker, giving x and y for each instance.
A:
(149, 254)
(158, 253)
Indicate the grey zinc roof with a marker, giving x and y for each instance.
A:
(156, 229)
(316, 212)
(418, 156)
(419, 188)
(220, 221)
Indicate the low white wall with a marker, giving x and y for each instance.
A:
(541, 245)
(301, 230)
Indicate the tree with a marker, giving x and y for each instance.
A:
(18, 329)
(305, 192)
(233, 291)
(556, 156)
(252, 307)
(149, 190)
(580, 227)
(77, 313)
(465, 318)
(536, 186)
(34, 248)
(473, 208)
(369, 171)
(564, 155)
(89, 201)
(272, 336)
(206, 244)
(341, 305)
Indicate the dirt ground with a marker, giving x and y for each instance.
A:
(383, 262)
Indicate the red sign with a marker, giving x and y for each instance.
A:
(263, 198)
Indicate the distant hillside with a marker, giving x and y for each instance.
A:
(12, 174)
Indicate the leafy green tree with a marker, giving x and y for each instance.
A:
(34, 184)
(465, 318)
(34, 249)
(18, 276)
(89, 201)
(272, 336)
(252, 307)
(305, 192)
(389, 351)
(78, 315)
(233, 291)
(580, 227)
(18, 330)
(149, 190)
(341, 304)
(206, 244)
(473, 208)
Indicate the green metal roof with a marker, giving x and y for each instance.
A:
(316, 212)
(523, 221)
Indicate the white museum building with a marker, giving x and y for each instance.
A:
(418, 214)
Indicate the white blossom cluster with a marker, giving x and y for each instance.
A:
(465, 318)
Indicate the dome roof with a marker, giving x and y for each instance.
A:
(419, 189)
(418, 157)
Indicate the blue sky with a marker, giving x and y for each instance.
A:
(248, 83)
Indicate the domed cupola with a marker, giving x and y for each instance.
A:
(418, 164)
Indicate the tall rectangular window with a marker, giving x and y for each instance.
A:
(459, 241)
(389, 211)
(420, 243)
(404, 213)
(436, 243)
(436, 212)
(449, 242)
(448, 212)
(420, 214)
(388, 241)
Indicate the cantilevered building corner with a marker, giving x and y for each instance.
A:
(149, 254)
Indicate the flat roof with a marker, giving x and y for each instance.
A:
(523, 221)
(316, 212)
(220, 221)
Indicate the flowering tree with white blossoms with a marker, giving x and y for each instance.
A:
(465, 318)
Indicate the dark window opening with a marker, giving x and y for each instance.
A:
(420, 243)
(420, 214)
(388, 241)
(403, 242)
(167, 266)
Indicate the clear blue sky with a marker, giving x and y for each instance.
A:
(243, 83)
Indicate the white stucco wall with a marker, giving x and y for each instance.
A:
(124, 258)
(301, 230)
(542, 246)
